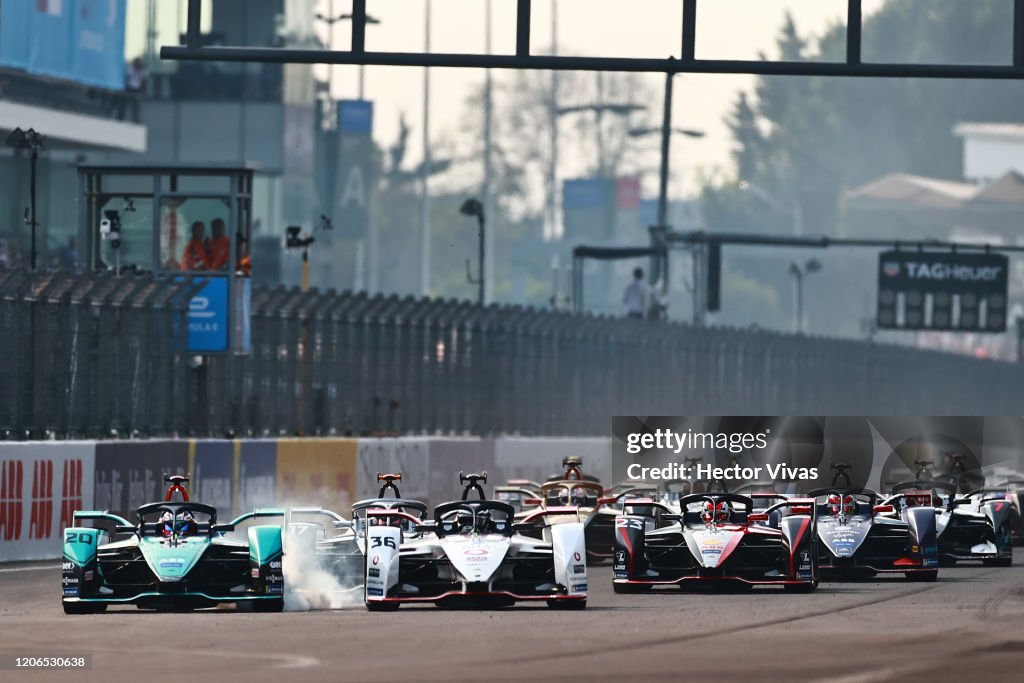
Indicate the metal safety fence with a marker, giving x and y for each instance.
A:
(99, 356)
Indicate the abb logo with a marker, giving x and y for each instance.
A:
(41, 503)
(10, 500)
(71, 493)
(42, 499)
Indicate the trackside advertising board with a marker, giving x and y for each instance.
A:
(41, 485)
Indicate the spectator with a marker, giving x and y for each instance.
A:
(195, 255)
(635, 296)
(218, 248)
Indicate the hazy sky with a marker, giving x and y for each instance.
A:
(736, 29)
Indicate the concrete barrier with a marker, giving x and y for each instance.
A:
(43, 483)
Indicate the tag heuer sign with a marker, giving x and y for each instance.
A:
(942, 291)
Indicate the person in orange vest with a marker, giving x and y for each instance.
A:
(195, 257)
(244, 266)
(218, 249)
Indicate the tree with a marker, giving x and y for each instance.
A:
(823, 136)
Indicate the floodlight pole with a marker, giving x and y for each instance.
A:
(425, 171)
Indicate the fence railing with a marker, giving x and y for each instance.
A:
(95, 356)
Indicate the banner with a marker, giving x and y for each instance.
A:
(316, 472)
(131, 473)
(408, 457)
(41, 485)
(212, 469)
(356, 170)
(77, 40)
(257, 475)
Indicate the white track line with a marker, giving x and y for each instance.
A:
(28, 569)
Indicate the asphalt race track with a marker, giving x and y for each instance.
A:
(968, 626)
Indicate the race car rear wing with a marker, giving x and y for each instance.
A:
(551, 511)
(798, 506)
(339, 521)
(86, 515)
(259, 513)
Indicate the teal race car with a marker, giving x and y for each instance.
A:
(176, 556)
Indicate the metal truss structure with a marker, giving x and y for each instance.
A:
(686, 62)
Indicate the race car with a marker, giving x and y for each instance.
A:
(715, 540)
(175, 556)
(343, 554)
(474, 553)
(975, 526)
(1015, 494)
(579, 497)
(516, 492)
(859, 538)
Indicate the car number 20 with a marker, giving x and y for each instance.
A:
(75, 537)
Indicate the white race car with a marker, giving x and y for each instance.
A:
(474, 553)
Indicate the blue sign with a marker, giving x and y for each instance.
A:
(208, 317)
(585, 193)
(77, 40)
(648, 214)
(355, 116)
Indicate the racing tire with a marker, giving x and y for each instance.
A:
(383, 606)
(567, 604)
(268, 605)
(925, 577)
(801, 587)
(630, 588)
(84, 608)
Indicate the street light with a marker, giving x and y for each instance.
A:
(798, 273)
(331, 19)
(32, 141)
(641, 132)
(473, 207)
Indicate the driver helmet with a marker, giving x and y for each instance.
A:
(563, 496)
(579, 495)
(834, 503)
(849, 505)
(185, 524)
(718, 513)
